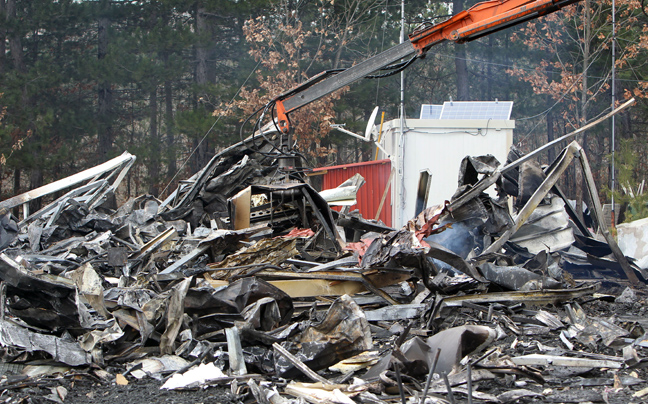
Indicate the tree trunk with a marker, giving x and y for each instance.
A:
(169, 123)
(16, 188)
(154, 138)
(105, 96)
(461, 67)
(170, 129)
(36, 181)
(489, 70)
(15, 44)
(201, 147)
(201, 51)
(507, 62)
(16, 181)
(551, 153)
(338, 53)
(580, 183)
(3, 38)
(3, 62)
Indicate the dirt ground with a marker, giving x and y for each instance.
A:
(85, 390)
(146, 391)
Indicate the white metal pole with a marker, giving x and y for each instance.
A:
(612, 211)
(402, 125)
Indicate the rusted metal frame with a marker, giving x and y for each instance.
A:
(552, 177)
(67, 182)
(618, 254)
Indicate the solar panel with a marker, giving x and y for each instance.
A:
(429, 111)
(476, 110)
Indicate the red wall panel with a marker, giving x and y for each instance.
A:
(376, 175)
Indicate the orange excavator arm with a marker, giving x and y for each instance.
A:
(480, 20)
(483, 19)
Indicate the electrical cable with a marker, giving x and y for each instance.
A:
(243, 140)
(404, 66)
(270, 106)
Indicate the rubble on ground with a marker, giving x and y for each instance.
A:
(243, 281)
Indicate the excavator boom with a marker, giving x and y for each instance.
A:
(480, 20)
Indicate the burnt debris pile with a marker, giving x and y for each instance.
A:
(245, 277)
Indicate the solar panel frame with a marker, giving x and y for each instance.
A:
(430, 111)
(477, 110)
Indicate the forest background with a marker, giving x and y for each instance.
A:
(172, 81)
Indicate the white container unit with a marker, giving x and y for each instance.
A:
(434, 148)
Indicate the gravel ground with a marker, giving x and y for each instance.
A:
(82, 389)
(146, 390)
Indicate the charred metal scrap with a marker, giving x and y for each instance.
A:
(239, 278)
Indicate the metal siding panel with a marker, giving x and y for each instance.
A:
(376, 175)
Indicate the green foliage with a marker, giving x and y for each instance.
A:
(155, 105)
(631, 178)
(637, 208)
